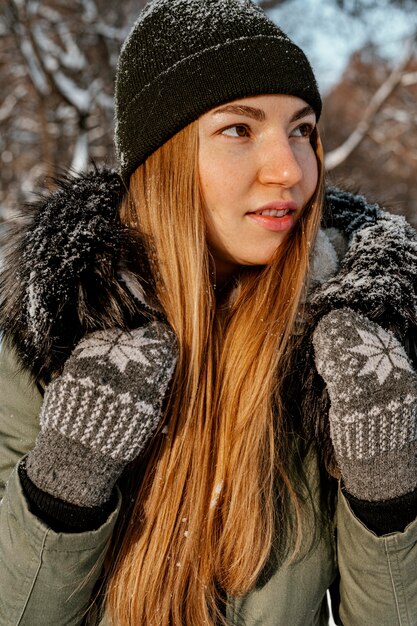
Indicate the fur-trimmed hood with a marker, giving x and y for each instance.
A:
(71, 267)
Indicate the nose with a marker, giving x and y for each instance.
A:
(279, 164)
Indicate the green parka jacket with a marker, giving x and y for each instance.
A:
(47, 578)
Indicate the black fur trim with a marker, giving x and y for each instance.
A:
(60, 273)
(378, 274)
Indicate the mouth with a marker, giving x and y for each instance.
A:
(275, 209)
(275, 216)
(273, 212)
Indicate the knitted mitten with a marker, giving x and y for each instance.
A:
(373, 414)
(98, 415)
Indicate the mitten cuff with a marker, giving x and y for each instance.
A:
(71, 472)
(383, 477)
(61, 516)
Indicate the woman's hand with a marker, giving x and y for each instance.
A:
(373, 413)
(99, 414)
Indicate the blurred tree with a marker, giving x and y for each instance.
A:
(57, 63)
(369, 130)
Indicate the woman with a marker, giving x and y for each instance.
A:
(212, 364)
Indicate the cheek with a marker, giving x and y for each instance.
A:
(219, 182)
(311, 174)
(209, 179)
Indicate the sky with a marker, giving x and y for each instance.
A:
(329, 36)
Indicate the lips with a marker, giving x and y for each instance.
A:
(273, 212)
(275, 209)
(275, 216)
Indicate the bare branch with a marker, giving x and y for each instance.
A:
(68, 90)
(7, 107)
(103, 100)
(111, 32)
(91, 16)
(80, 157)
(79, 98)
(409, 79)
(18, 24)
(71, 58)
(340, 154)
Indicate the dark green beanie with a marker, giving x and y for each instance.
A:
(184, 57)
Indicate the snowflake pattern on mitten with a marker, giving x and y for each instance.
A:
(373, 394)
(383, 354)
(118, 347)
(110, 394)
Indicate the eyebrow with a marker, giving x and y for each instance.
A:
(240, 109)
(259, 114)
(307, 110)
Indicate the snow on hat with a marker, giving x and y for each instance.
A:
(184, 57)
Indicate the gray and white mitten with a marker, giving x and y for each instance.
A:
(373, 414)
(99, 414)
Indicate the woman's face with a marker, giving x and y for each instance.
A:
(257, 171)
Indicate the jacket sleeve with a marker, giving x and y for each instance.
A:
(46, 577)
(378, 575)
(20, 403)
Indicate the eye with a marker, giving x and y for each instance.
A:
(238, 130)
(303, 130)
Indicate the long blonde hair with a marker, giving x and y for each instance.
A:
(206, 511)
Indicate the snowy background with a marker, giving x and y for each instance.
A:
(330, 33)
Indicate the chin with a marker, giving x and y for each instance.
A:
(258, 262)
(260, 259)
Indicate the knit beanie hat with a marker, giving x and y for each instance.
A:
(184, 57)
